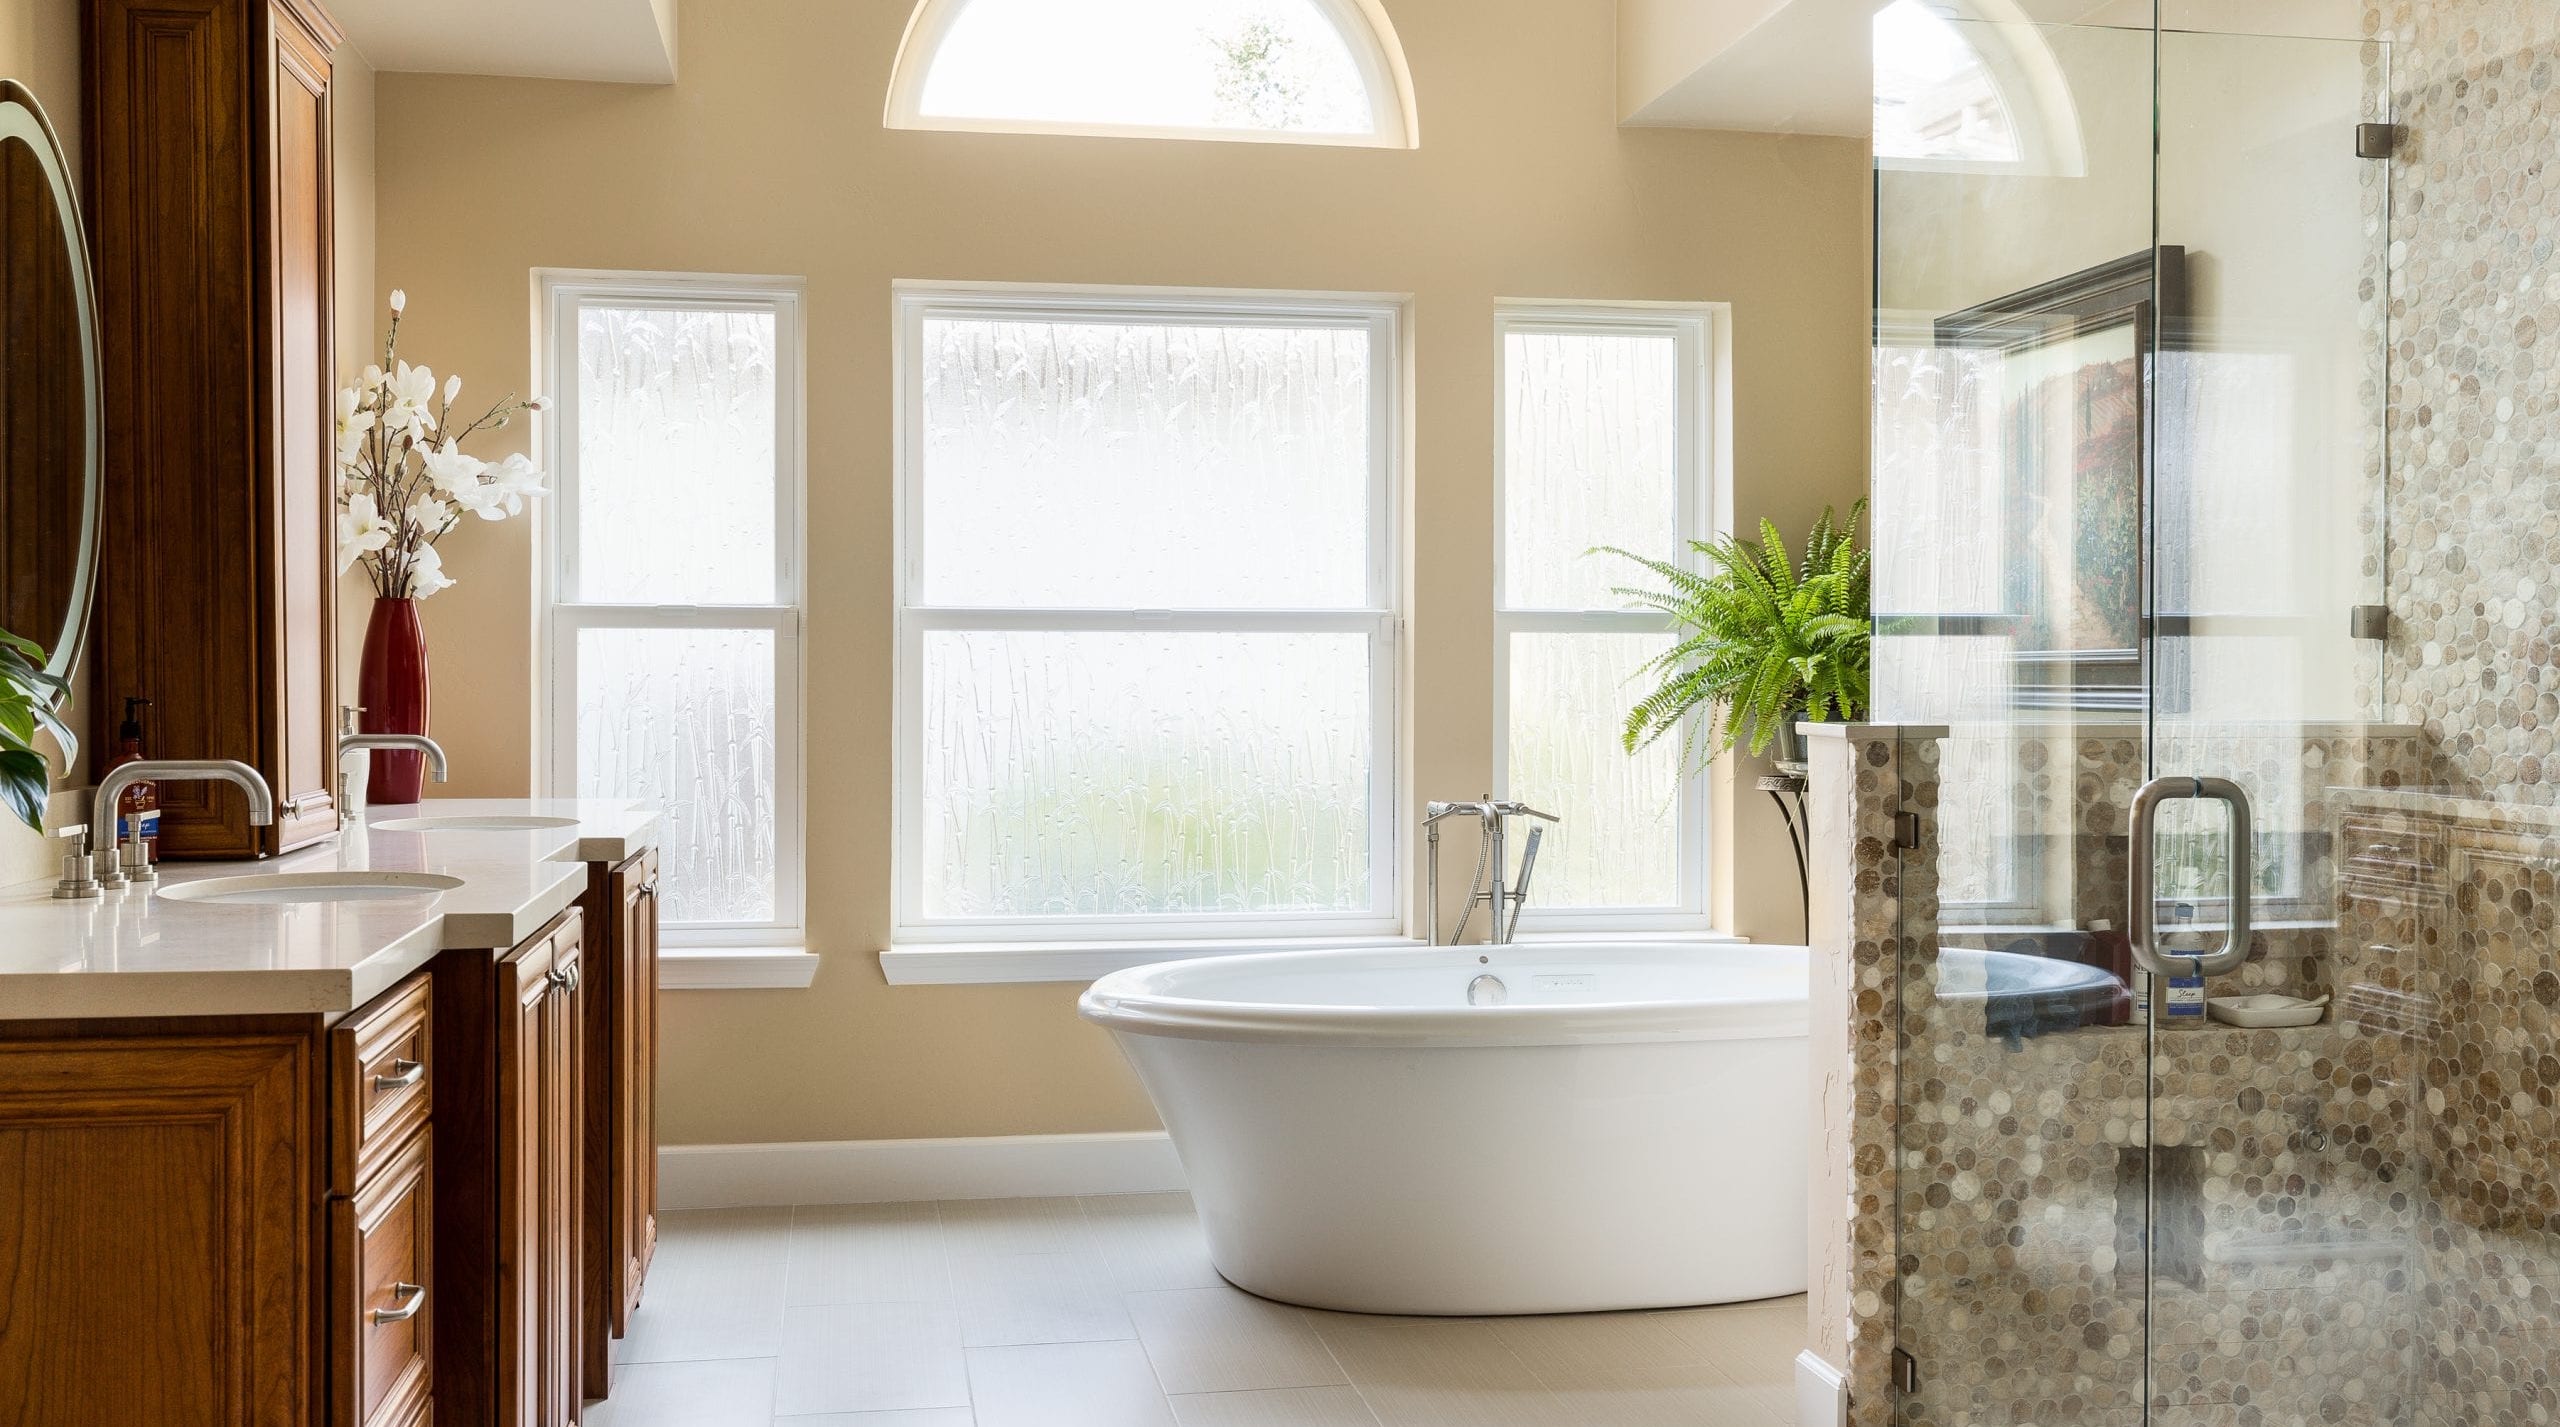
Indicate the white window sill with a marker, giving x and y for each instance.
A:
(980, 963)
(1079, 962)
(735, 968)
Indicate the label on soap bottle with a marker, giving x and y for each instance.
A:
(2184, 997)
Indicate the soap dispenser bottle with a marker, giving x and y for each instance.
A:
(138, 809)
(356, 778)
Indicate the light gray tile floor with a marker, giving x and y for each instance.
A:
(1104, 1312)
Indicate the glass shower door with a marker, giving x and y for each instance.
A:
(2285, 1207)
(2130, 344)
(2021, 292)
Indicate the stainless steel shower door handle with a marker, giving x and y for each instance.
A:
(2144, 918)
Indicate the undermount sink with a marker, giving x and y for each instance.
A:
(468, 822)
(272, 888)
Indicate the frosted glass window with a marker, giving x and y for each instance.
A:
(1145, 465)
(1603, 445)
(1303, 69)
(1591, 458)
(1117, 774)
(675, 461)
(1145, 631)
(1619, 843)
(685, 718)
(674, 623)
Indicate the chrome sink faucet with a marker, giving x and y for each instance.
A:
(1487, 887)
(111, 867)
(365, 743)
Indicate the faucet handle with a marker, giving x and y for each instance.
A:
(79, 879)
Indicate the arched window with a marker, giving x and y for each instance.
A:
(1285, 71)
(1970, 84)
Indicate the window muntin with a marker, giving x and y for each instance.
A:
(1603, 441)
(1309, 71)
(674, 622)
(1136, 714)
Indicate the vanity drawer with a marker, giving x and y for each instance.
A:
(382, 1276)
(381, 1074)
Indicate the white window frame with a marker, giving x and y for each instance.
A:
(1704, 510)
(1363, 24)
(1381, 619)
(563, 293)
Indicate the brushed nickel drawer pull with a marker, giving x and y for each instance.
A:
(407, 1299)
(565, 980)
(404, 1073)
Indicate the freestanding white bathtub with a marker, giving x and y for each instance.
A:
(1626, 1129)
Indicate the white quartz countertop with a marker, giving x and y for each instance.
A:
(134, 952)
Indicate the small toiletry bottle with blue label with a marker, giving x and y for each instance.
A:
(2182, 993)
(138, 807)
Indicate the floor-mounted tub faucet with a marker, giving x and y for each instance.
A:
(1492, 857)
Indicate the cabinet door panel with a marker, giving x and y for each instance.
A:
(640, 1203)
(540, 1163)
(524, 1006)
(156, 1231)
(564, 1179)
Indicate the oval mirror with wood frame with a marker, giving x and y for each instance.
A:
(49, 468)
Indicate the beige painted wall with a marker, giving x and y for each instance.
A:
(769, 157)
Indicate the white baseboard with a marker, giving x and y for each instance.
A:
(884, 1171)
(1822, 1394)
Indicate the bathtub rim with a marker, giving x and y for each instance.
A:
(1123, 1003)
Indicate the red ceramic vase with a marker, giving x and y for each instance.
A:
(392, 686)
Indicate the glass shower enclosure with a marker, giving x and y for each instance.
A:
(2226, 1072)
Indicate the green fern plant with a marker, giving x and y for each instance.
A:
(1763, 641)
(27, 698)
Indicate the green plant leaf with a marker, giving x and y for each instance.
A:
(1760, 638)
(25, 783)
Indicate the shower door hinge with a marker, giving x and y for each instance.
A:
(1906, 1370)
(2376, 141)
(1906, 831)
(2369, 621)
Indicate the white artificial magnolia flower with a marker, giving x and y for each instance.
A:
(428, 516)
(510, 483)
(452, 472)
(361, 531)
(404, 402)
(399, 300)
(353, 422)
(371, 380)
(426, 573)
(452, 388)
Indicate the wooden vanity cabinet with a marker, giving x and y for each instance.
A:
(207, 138)
(288, 1222)
(621, 1208)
